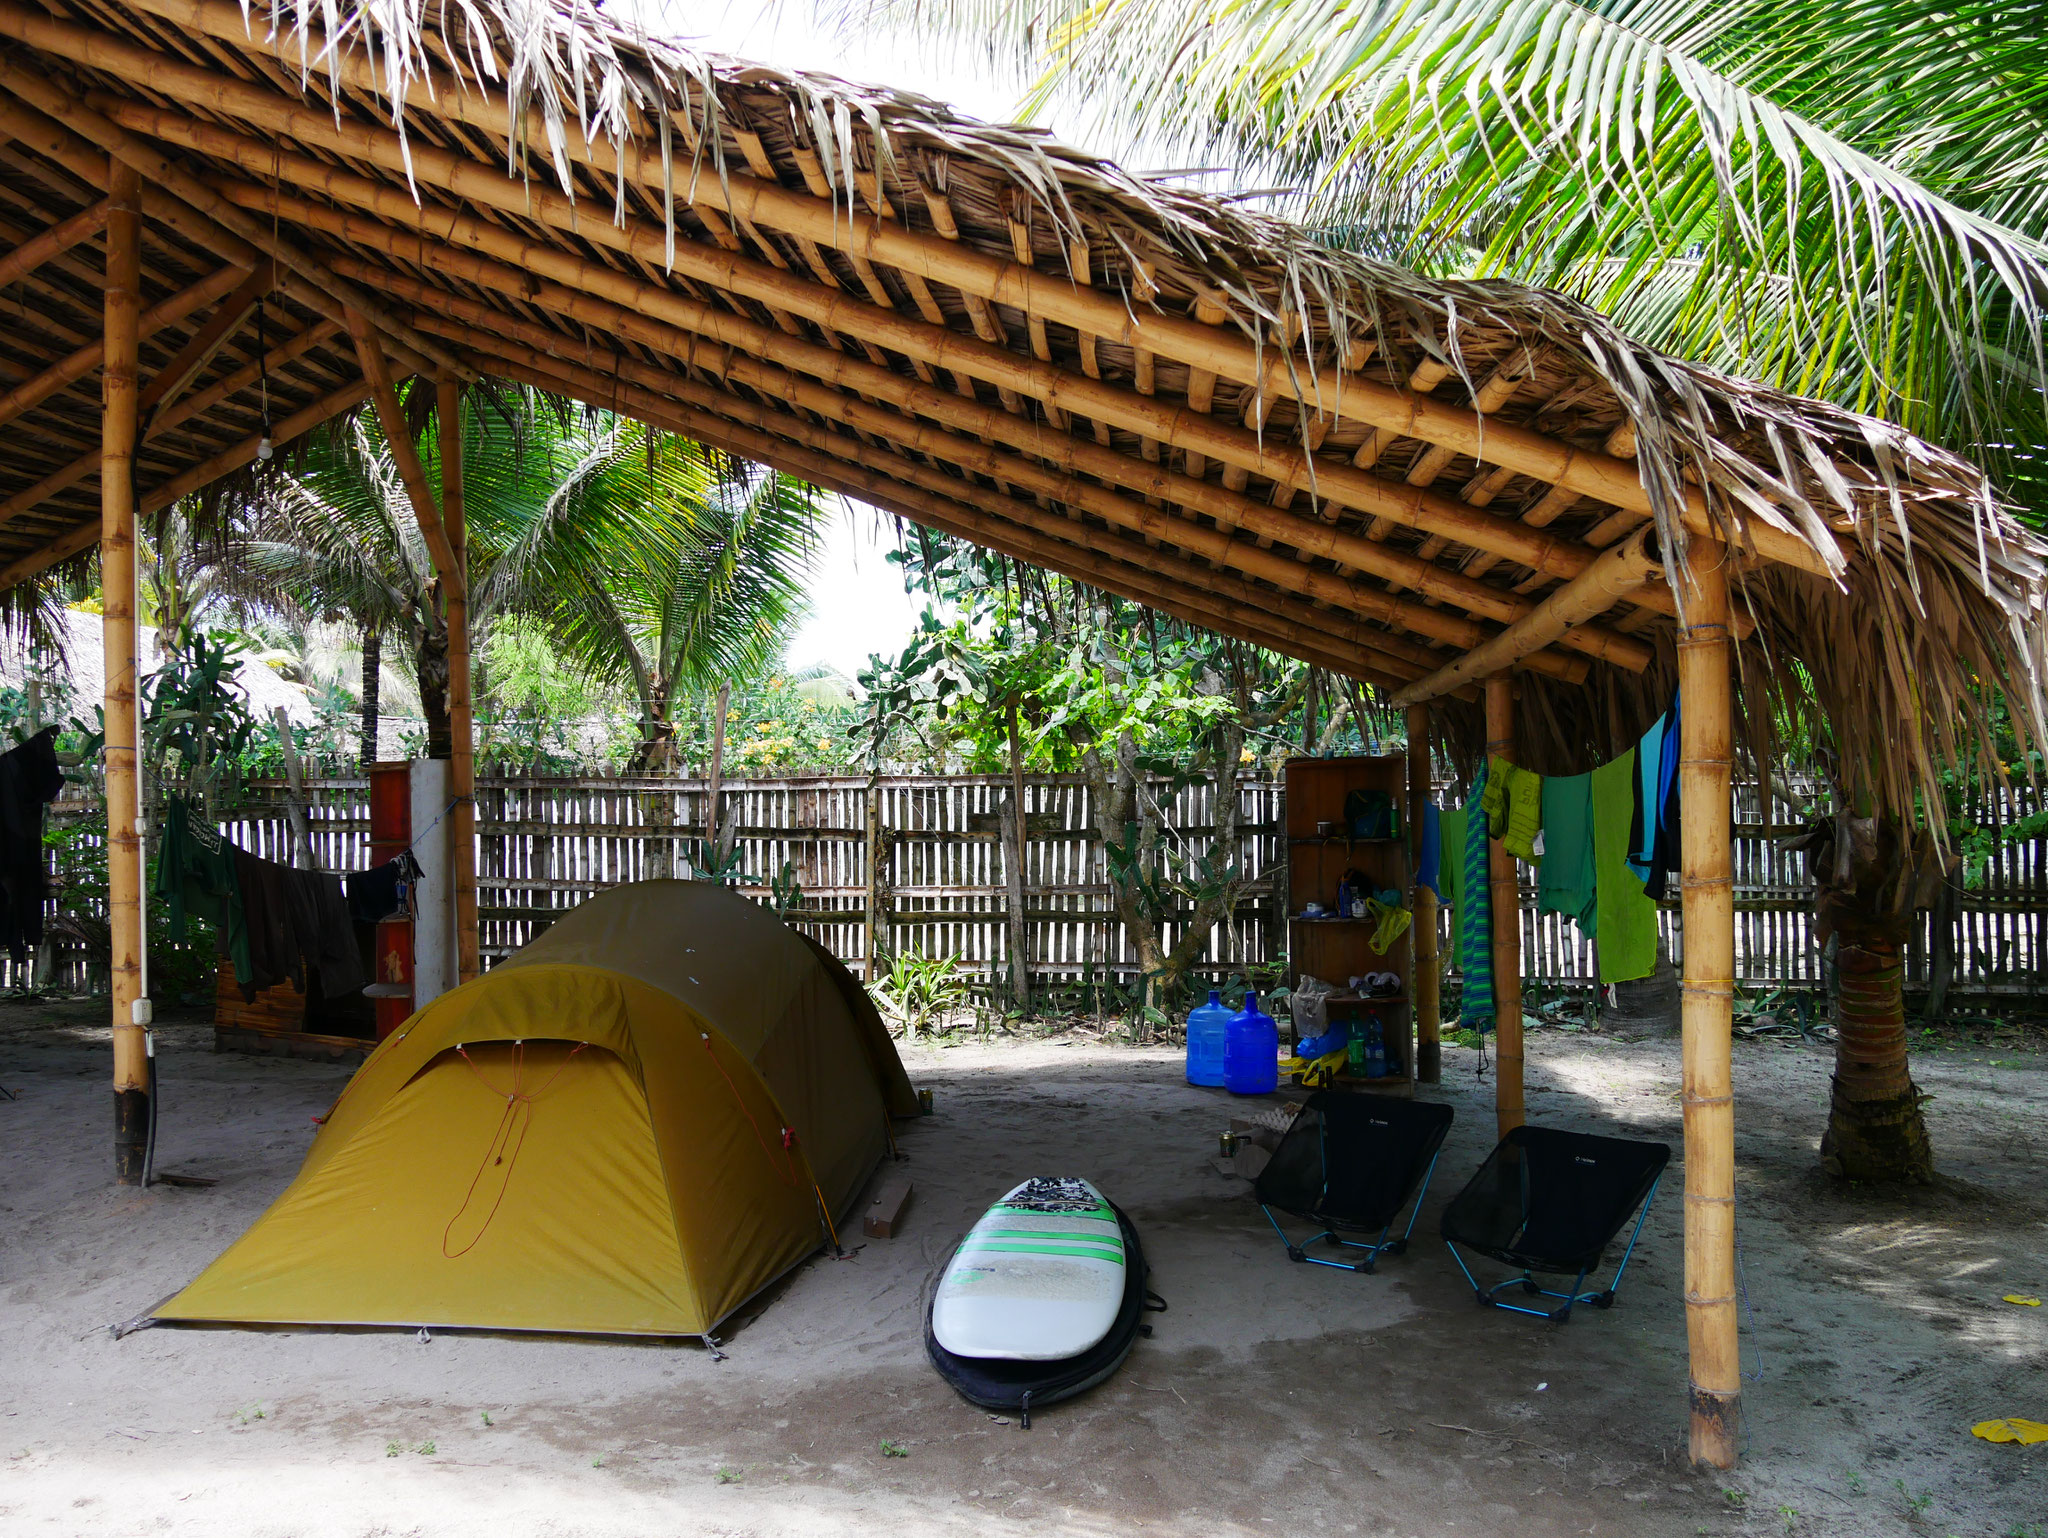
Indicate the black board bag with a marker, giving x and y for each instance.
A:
(998, 1383)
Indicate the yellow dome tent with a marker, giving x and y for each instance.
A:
(629, 1127)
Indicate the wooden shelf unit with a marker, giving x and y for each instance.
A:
(1337, 950)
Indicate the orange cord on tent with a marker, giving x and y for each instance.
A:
(788, 1137)
(495, 1152)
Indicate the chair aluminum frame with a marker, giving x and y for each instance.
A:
(1599, 1298)
(1376, 1248)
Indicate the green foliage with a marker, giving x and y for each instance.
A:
(919, 989)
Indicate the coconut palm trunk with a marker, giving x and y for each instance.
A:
(372, 691)
(1864, 873)
(1875, 1130)
(433, 679)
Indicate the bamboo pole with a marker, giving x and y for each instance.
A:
(1075, 458)
(936, 346)
(461, 704)
(833, 222)
(398, 437)
(56, 101)
(1619, 574)
(1425, 985)
(55, 241)
(1707, 896)
(67, 371)
(1184, 598)
(1507, 925)
(118, 593)
(1013, 878)
(86, 535)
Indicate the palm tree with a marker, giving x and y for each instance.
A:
(335, 536)
(717, 612)
(1847, 200)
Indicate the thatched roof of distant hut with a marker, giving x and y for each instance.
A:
(1154, 390)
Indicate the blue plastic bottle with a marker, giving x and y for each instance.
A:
(1251, 1052)
(1207, 1026)
(1375, 1050)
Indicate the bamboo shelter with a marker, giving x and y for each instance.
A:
(1460, 492)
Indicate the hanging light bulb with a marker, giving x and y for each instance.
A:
(264, 448)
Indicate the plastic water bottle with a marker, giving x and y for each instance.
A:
(1375, 1050)
(1208, 1024)
(1251, 1051)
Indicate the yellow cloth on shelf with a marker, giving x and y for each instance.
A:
(1514, 806)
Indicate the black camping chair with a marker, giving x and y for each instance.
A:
(1350, 1162)
(1553, 1201)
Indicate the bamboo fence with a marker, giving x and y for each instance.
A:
(940, 882)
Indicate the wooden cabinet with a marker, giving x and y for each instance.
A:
(1323, 795)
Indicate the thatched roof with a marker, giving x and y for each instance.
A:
(1151, 389)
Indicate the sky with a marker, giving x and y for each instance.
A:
(858, 605)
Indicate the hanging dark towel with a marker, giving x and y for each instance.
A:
(323, 932)
(267, 915)
(380, 892)
(29, 781)
(195, 878)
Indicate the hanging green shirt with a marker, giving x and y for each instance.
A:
(1451, 872)
(195, 878)
(1627, 919)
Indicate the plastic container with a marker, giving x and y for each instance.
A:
(1251, 1051)
(1375, 1049)
(1207, 1026)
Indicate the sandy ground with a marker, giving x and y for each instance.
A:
(1272, 1397)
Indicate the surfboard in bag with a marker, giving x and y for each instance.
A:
(1041, 1300)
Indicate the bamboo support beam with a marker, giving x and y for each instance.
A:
(461, 710)
(968, 454)
(398, 438)
(852, 478)
(1620, 574)
(191, 359)
(920, 258)
(86, 535)
(836, 311)
(119, 592)
(832, 384)
(653, 389)
(1503, 889)
(1707, 895)
(53, 242)
(68, 371)
(87, 465)
(54, 101)
(1426, 983)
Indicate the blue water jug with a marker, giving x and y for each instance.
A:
(1251, 1051)
(1207, 1025)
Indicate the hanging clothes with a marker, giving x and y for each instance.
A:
(1625, 917)
(382, 891)
(1514, 807)
(1663, 841)
(30, 778)
(1476, 930)
(1450, 885)
(266, 913)
(1567, 880)
(195, 878)
(1429, 858)
(323, 932)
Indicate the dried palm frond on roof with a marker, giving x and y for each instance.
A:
(1152, 389)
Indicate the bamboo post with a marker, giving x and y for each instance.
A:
(461, 703)
(871, 922)
(1507, 925)
(118, 569)
(1707, 894)
(714, 789)
(1014, 858)
(1427, 978)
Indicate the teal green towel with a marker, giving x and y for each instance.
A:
(1627, 919)
(1566, 879)
(1476, 932)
